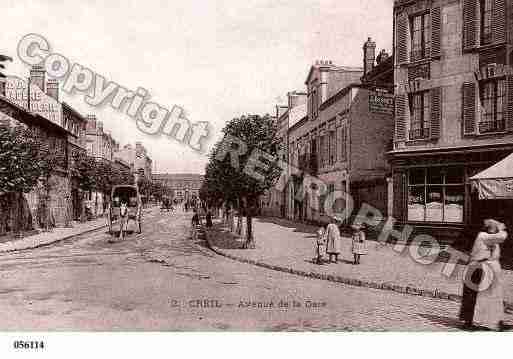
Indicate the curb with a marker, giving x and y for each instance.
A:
(40, 245)
(428, 293)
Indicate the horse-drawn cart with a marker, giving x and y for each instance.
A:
(125, 205)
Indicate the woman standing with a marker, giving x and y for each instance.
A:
(482, 304)
(333, 240)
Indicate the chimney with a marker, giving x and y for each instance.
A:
(52, 89)
(37, 76)
(100, 126)
(369, 55)
(296, 99)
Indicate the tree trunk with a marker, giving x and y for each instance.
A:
(18, 207)
(250, 238)
(238, 231)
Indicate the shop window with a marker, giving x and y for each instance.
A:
(492, 93)
(436, 195)
(420, 37)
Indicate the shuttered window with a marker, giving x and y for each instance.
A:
(401, 104)
(509, 110)
(420, 37)
(498, 21)
(419, 115)
(436, 112)
(469, 108)
(492, 95)
(486, 21)
(402, 39)
(436, 32)
(470, 24)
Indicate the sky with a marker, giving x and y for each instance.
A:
(216, 59)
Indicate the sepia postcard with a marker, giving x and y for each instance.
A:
(256, 166)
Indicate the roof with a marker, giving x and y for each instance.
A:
(178, 176)
(331, 67)
(73, 111)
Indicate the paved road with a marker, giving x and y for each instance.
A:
(161, 280)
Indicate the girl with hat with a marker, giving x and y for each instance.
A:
(359, 242)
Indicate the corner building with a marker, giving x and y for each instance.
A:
(454, 110)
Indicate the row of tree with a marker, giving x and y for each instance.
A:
(231, 186)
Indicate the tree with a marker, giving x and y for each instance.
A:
(84, 170)
(233, 184)
(51, 157)
(19, 172)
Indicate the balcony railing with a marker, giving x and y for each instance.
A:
(492, 126)
(419, 134)
(420, 54)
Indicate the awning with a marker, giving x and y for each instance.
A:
(495, 182)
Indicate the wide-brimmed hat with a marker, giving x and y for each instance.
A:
(492, 225)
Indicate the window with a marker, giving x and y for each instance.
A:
(486, 22)
(436, 195)
(332, 148)
(420, 37)
(343, 143)
(491, 95)
(419, 115)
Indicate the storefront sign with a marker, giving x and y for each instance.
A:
(17, 91)
(381, 102)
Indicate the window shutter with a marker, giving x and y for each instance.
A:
(499, 21)
(436, 112)
(509, 106)
(402, 39)
(399, 185)
(469, 24)
(436, 32)
(401, 116)
(469, 108)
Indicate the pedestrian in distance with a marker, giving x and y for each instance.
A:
(482, 303)
(359, 245)
(333, 240)
(195, 222)
(208, 219)
(320, 247)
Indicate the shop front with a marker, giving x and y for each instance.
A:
(433, 191)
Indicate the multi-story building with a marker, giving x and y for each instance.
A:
(274, 202)
(137, 158)
(99, 144)
(181, 186)
(344, 138)
(12, 112)
(454, 110)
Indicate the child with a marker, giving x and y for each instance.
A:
(320, 245)
(359, 242)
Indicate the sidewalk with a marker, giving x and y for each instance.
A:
(289, 246)
(56, 235)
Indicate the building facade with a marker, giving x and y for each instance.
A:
(56, 195)
(137, 158)
(454, 110)
(99, 144)
(183, 187)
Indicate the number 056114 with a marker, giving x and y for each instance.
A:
(30, 345)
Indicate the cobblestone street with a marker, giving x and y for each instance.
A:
(161, 280)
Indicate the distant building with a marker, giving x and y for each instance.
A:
(99, 144)
(182, 186)
(137, 158)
